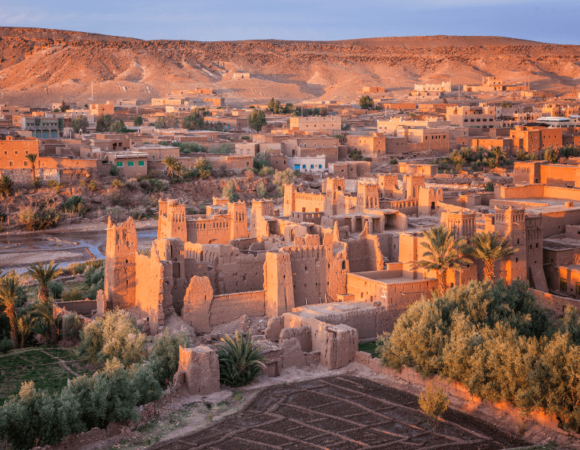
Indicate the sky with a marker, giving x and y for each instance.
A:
(551, 21)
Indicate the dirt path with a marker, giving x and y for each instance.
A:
(61, 362)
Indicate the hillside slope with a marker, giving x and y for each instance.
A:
(38, 65)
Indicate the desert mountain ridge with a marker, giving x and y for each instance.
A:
(38, 66)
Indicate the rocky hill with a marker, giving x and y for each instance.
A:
(39, 65)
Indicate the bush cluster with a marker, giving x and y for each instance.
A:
(33, 218)
(115, 335)
(164, 356)
(498, 342)
(34, 417)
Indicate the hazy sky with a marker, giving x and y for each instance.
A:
(554, 21)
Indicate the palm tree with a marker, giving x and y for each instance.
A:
(490, 247)
(174, 167)
(498, 153)
(443, 252)
(6, 185)
(32, 158)
(44, 322)
(8, 295)
(44, 274)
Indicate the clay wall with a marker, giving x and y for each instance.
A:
(555, 303)
(228, 307)
(84, 307)
(309, 266)
(561, 175)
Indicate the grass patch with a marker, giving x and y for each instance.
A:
(35, 365)
(369, 347)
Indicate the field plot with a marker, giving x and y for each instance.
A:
(341, 413)
(49, 368)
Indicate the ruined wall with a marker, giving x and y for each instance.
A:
(364, 253)
(151, 290)
(197, 304)
(389, 245)
(258, 223)
(203, 310)
(235, 271)
(120, 254)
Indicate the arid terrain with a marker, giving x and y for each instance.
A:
(39, 65)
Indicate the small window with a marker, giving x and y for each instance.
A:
(119, 164)
(130, 164)
(141, 163)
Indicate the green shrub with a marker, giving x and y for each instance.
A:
(106, 396)
(113, 171)
(94, 281)
(34, 418)
(204, 168)
(75, 205)
(164, 356)
(6, 345)
(115, 335)
(72, 295)
(33, 218)
(93, 186)
(72, 326)
(266, 171)
(117, 184)
(222, 149)
(283, 177)
(55, 288)
(229, 191)
(56, 185)
(434, 402)
(144, 383)
(261, 190)
(240, 360)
